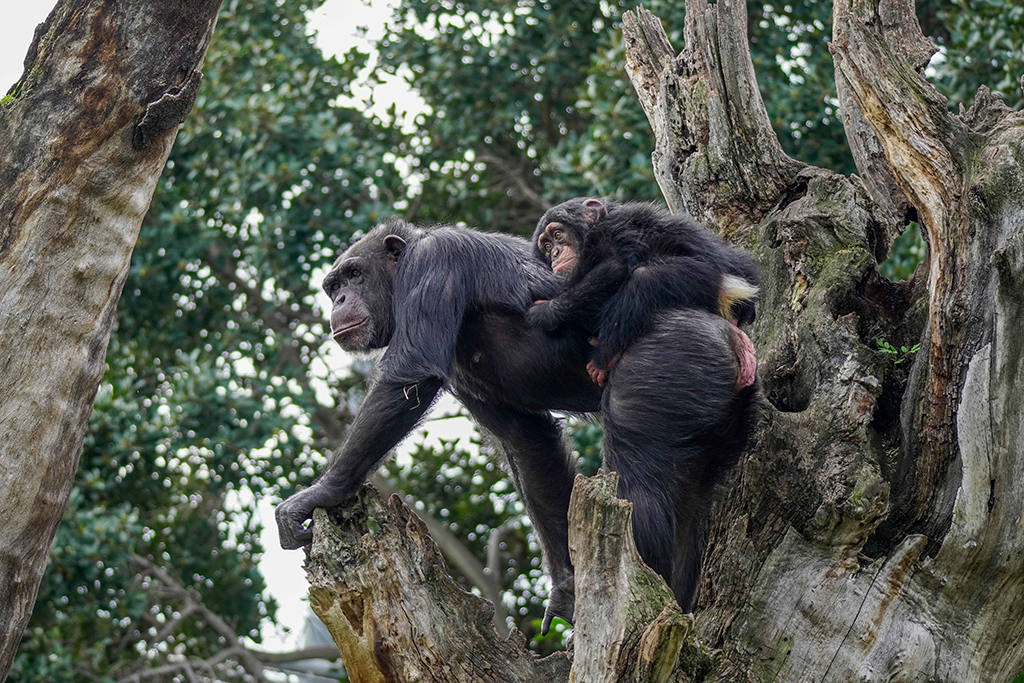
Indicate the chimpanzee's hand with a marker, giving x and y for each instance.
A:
(292, 515)
(543, 314)
(561, 603)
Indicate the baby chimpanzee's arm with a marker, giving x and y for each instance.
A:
(581, 302)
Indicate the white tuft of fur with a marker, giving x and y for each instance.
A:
(734, 289)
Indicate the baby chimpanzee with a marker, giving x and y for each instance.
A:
(624, 263)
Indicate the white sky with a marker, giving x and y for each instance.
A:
(20, 20)
(337, 24)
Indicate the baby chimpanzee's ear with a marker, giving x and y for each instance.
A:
(593, 210)
(394, 244)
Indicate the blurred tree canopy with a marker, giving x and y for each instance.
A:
(217, 393)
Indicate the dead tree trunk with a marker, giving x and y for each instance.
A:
(84, 137)
(873, 530)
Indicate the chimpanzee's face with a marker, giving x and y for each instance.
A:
(560, 247)
(361, 286)
(558, 238)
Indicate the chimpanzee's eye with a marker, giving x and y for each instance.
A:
(557, 234)
(354, 273)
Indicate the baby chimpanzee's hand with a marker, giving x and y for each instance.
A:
(543, 314)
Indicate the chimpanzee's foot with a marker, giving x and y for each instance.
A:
(599, 372)
(599, 376)
(561, 603)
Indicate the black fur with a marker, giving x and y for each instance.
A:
(449, 305)
(633, 260)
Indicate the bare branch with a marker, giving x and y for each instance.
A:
(329, 652)
(193, 603)
(891, 205)
(493, 572)
(716, 155)
(172, 624)
(515, 175)
(881, 53)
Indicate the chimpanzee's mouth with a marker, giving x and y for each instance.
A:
(563, 265)
(349, 328)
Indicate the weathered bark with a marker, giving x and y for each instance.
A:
(378, 582)
(872, 531)
(628, 625)
(84, 138)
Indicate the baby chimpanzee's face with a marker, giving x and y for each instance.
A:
(560, 247)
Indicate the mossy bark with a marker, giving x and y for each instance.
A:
(872, 531)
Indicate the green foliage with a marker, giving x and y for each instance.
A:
(980, 44)
(906, 252)
(87, 596)
(587, 440)
(896, 355)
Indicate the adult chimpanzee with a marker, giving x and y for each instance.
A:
(449, 305)
(623, 263)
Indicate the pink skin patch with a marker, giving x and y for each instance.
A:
(745, 356)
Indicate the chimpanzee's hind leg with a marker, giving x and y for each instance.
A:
(675, 282)
(543, 477)
(674, 421)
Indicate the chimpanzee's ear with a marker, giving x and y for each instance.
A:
(594, 210)
(394, 244)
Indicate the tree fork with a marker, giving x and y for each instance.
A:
(832, 541)
(378, 583)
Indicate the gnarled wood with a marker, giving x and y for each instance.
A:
(891, 206)
(868, 533)
(881, 54)
(707, 115)
(83, 140)
(379, 584)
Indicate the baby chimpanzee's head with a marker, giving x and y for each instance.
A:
(559, 234)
